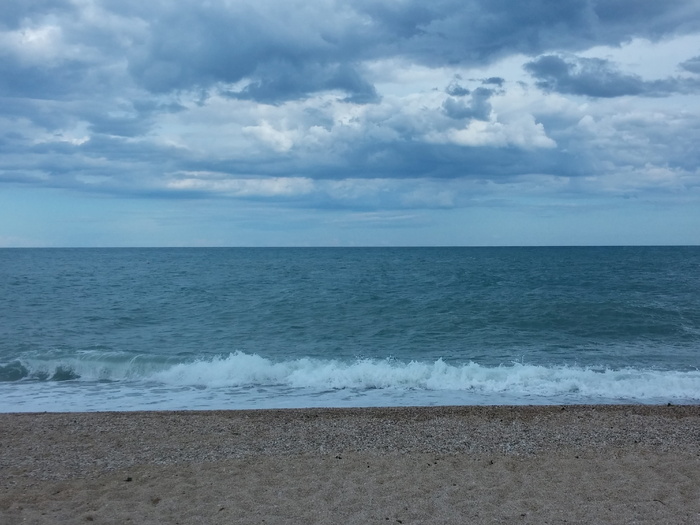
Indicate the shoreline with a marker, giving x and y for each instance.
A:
(555, 463)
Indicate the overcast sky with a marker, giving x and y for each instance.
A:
(358, 122)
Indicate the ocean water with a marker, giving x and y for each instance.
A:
(232, 328)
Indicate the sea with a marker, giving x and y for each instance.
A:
(250, 328)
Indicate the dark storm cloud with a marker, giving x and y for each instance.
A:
(596, 77)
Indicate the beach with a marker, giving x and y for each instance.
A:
(552, 464)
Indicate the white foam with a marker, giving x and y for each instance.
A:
(242, 380)
(95, 366)
(246, 370)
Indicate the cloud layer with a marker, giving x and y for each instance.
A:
(361, 105)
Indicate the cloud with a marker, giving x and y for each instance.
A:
(276, 50)
(478, 32)
(496, 81)
(337, 103)
(279, 50)
(596, 77)
(583, 76)
(217, 183)
(272, 51)
(692, 65)
(478, 106)
(278, 82)
(456, 90)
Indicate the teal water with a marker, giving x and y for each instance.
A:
(119, 329)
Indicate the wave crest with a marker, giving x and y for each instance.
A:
(249, 371)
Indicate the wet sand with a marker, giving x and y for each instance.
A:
(573, 464)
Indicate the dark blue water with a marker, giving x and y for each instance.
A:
(114, 329)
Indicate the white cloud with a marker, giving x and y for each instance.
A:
(522, 132)
(34, 45)
(279, 140)
(220, 184)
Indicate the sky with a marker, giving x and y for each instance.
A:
(349, 123)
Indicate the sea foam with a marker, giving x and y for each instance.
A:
(245, 370)
(241, 371)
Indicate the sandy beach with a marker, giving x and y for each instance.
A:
(573, 464)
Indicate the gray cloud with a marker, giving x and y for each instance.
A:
(194, 45)
(478, 106)
(496, 81)
(283, 50)
(97, 97)
(597, 77)
(284, 81)
(692, 65)
(583, 76)
(456, 90)
(15, 12)
(484, 30)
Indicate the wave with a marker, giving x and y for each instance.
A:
(241, 370)
(85, 366)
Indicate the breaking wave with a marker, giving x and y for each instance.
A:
(249, 371)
